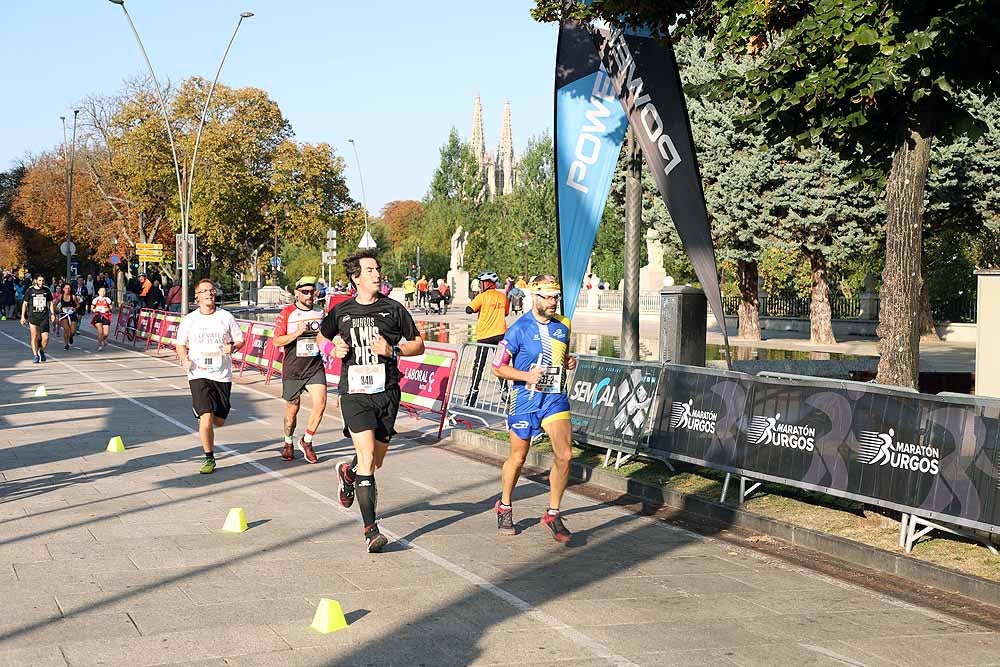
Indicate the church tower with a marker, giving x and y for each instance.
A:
(500, 169)
(506, 165)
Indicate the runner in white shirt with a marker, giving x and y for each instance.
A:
(206, 340)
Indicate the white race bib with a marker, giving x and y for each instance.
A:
(208, 359)
(38, 303)
(68, 311)
(550, 382)
(368, 379)
(306, 347)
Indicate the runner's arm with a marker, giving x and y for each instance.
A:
(503, 370)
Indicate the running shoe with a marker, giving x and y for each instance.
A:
(505, 520)
(287, 451)
(555, 524)
(42, 355)
(208, 467)
(71, 339)
(346, 486)
(66, 346)
(37, 359)
(374, 539)
(307, 450)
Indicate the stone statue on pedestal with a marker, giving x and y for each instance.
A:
(458, 241)
(651, 276)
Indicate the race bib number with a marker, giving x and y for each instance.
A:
(366, 379)
(306, 347)
(209, 360)
(551, 380)
(38, 303)
(68, 311)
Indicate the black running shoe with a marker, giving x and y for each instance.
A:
(346, 486)
(42, 355)
(374, 539)
(558, 528)
(505, 519)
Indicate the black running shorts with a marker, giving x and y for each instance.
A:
(210, 396)
(42, 324)
(371, 412)
(291, 388)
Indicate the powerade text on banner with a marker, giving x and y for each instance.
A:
(644, 73)
(589, 130)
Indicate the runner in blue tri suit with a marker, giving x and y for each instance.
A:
(533, 354)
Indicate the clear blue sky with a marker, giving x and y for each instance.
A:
(395, 75)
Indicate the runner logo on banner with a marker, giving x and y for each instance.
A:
(611, 401)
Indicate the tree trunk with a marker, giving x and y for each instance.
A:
(927, 330)
(899, 316)
(749, 310)
(820, 312)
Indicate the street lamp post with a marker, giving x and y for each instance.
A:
(366, 241)
(184, 203)
(524, 245)
(69, 191)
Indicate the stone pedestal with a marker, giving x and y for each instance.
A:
(869, 305)
(987, 326)
(459, 281)
(651, 279)
(683, 327)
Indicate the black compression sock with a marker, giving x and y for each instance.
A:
(354, 465)
(210, 455)
(367, 495)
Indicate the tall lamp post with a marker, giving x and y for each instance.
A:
(184, 203)
(69, 192)
(366, 241)
(524, 245)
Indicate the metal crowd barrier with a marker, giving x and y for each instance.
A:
(478, 398)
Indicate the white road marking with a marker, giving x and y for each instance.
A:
(834, 656)
(572, 634)
(421, 485)
(173, 386)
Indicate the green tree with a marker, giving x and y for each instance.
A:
(458, 176)
(879, 74)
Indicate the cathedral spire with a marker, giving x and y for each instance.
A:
(506, 167)
(478, 136)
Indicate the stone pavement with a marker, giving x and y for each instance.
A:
(119, 558)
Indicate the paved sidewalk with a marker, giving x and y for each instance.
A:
(118, 558)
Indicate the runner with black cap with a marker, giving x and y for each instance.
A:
(302, 367)
(369, 332)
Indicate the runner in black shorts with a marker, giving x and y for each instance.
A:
(36, 313)
(302, 366)
(369, 332)
(67, 310)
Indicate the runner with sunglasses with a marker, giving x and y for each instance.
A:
(302, 366)
(533, 354)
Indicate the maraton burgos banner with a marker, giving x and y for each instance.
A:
(937, 457)
(589, 130)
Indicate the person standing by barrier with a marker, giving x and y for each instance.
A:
(369, 332)
(422, 292)
(37, 312)
(533, 354)
(493, 309)
(102, 316)
(409, 291)
(174, 298)
(206, 340)
(67, 309)
(302, 366)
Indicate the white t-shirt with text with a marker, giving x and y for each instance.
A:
(204, 335)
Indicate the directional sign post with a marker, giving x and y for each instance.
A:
(330, 254)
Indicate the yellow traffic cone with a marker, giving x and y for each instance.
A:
(329, 617)
(236, 522)
(115, 445)
(40, 392)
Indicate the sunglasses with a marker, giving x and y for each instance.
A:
(306, 292)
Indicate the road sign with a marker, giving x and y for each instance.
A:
(331, 244)
(115, 259)
(179, 250)
(140, 247)
(329, 257)
(367, 241)
(68, 248)
(276, 263)
(150, 253)
(331, 233)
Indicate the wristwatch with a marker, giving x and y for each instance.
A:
(396, 352)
